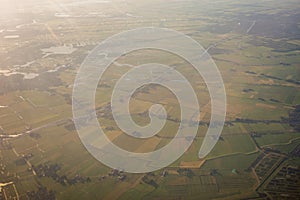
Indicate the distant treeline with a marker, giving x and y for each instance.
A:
(294, 118)
(42, 193)
(51, 171)
(275, 78)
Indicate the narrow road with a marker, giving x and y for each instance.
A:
(16, 192)
(27, 161)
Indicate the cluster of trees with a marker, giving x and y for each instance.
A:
(51, 170)
(150, 181)
(294, 118)
(41, 194)
(254, 121)
(35, 135)
(186, 172)
(117, 173)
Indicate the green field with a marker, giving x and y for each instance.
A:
(255, 45)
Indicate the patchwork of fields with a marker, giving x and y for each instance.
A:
(256, 48)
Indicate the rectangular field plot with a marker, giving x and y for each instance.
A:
(42, 99)
(12, 123)
(239, 162)
(276, 139)
(233, 144)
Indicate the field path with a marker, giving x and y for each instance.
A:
(27, 161)
(281, 144)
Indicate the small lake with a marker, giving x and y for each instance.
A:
(65, 49)
(11, 36)
(29, 75)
